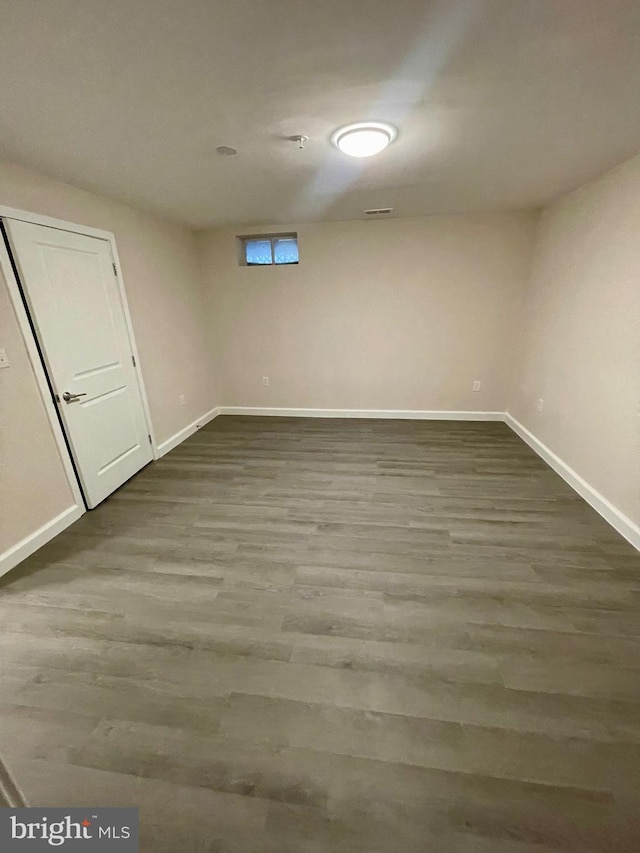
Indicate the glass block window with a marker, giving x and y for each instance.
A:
(261, 250)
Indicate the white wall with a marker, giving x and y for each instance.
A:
(392, 314)
(396, 314)
(581, 336)
(166, 299)
(163, 285)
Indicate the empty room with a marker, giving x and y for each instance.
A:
(320, 426)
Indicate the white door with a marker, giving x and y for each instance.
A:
(74, 299)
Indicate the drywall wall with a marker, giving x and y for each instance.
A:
(165, 295)
(392, 314)
(163, 287)
(580, 349)
(33, 484)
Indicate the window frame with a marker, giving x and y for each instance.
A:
(243, 239)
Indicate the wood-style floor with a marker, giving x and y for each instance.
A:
(328, 636)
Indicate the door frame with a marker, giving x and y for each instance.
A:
(27, 330)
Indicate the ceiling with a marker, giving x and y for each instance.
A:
(500, 104)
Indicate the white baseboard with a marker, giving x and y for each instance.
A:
(624, 525)
(27, 546)
(617, 519)
(399, 414)
(165, 446)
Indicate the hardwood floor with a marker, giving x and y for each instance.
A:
(303, 636)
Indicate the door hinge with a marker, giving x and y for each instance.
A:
(115, 271)
(133, 359)
(149, 437)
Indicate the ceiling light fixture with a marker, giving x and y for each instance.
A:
(364, 139)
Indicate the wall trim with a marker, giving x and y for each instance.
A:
(399, 414)
(620, 522)
(617, 519)
(53, 222)
(176, 439)
(27, 546)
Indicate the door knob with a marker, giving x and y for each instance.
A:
(68, 397)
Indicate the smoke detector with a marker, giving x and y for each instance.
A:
(300, 138)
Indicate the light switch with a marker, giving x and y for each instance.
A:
(4, 358)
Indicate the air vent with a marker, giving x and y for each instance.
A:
(378, 211)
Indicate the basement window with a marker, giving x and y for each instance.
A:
(261, 250)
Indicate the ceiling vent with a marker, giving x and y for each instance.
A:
(378, 211)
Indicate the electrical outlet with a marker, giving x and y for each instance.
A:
(476, 385)
(265, 380)
(540, 404)
(182, 400)
(4, 358)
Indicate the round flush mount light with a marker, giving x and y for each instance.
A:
(364, 139)
(226, 151)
